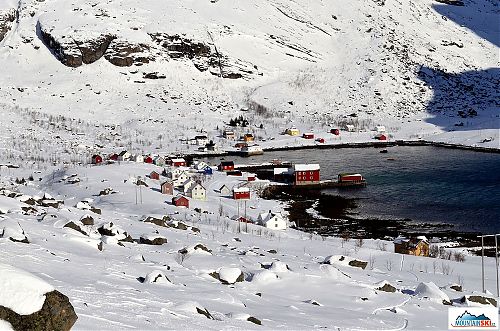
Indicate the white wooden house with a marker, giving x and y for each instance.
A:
(224, 190)
(181, 178)
(198, 192)
(272, 221)
(138, 158)
(124, 156)
(186, 186)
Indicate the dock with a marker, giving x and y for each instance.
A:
(324, 184)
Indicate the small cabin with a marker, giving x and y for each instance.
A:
(241, 193)
(154, 175)
(306, 174)
(96, 159)
(113, 157)
(380, 128)
(180, 201)
(124, 156)
(224, 190)
(138, 158)
(272, 221)
(181, 178)
(208, 170)
(167, 188)
(159, 161)
(201, 140)
(148, 159)
(292, 131)
(248, 138)
(198, 192)
(251, 178)
(335, 131)
(349, 128)
(240, 145)
(349, 177)
(418, 246)
(308, 135)
(320, 140)
(178, 162)
(381, 136)
(227, 134)
(226, 166)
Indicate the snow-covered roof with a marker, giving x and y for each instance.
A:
(178, 160)
(241, 189)
(306, 167)
(280, 171)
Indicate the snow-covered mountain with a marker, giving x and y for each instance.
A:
(189, 65)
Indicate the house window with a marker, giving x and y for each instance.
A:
(275, 225)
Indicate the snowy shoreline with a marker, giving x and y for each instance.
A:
(358, 145)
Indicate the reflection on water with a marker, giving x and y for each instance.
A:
(421, 183)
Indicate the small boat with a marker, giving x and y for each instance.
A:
(383, 151)
(391, 159)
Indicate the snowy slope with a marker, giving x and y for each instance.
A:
(291, 280)
(405, 64)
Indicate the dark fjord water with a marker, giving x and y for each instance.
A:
(426, 184)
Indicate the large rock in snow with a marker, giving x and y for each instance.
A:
(432, 292)
(345, 261)
(6, 19)
(29, 303)
(228, 276)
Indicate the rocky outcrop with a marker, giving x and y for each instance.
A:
(6, 20)
(152, 241)
(57, 314)
(93, 49)
(124, 54)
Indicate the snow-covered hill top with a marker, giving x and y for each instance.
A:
(302, 62)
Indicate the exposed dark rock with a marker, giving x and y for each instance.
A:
(216, 275)
(155, 241)
(56, 314)
(153, 75)
(254, 320)
(64, 49)
(203, 248)
(95, 210)
(75, 227)
(127, 239)
(195, 229)
(205, 313)
(452, 2)
(479, 299)
(24, 241)
(457, 288)
(358, 264)
(29, 210)
(272, 251)
(387, 288)
(105, 232)
(154, 220)
(121, 53)
(87, 220)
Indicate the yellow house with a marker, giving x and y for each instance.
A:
(292, 131)
(248, 138)
(418, 246)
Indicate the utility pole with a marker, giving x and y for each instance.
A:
(496, 261)
(246, 221)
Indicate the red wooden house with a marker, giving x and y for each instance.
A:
(226, 166)
(178, 162)
(345, 178)
(335, 131)
(304, 174)
(154, 175)
(251, 178)
(148, 159)
(113, 157)
(308, 135)
(180, 201)
(320, 140)
(96, 159)
(167, 188)
(241, 193)
(381, 136)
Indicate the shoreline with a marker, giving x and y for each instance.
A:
(367, 144)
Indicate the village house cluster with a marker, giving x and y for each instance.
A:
(184, 182)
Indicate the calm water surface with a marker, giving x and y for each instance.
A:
(422, 183)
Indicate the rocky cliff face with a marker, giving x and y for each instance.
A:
(6, 19)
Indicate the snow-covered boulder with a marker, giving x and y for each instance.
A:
(112, 230)
(278, 266)
(196, 249)
(432, 292)
(194, 308)
(342, 260)
(29, 303)
(264, 277)
(9, 205)
(152, 239)
(385, 286)
(13, 231)
(228, 276)
(156, 277)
